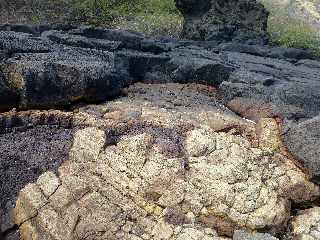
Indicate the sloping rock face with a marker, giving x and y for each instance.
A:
(303, 140)
(165, 162)
(224, 20)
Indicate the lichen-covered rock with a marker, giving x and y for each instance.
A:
(165, 162)
(224, 20)
(306, 226)
(243, 235)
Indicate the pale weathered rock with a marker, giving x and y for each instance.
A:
(44, 179)
(243, 235)
(145, 177)
(306, 226)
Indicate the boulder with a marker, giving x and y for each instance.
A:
(290, 90)
(45, 80)
(129, 39)
(93, 64)
(81, 41)
(191, 65)
(35, 29)
(291, 54)
(303, 141)
(224, 20)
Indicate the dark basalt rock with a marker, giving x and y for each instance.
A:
(53, 68)
(44, 80)
(14, 42)
(224, 20)
(130, 40)
(80, 41)
(62, 67)
(291, 54)
(35, 29)
(194, 65)
(93, 64)
(9, 98)
(303, 141)
(291, 89)
(23, 157)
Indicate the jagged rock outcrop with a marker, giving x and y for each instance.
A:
(224, 20)
(165, 162)
(93, 64)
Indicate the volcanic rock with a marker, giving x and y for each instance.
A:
(183, 160)
(307, 224)
(245, 21)
(157, 164)
(303, 141)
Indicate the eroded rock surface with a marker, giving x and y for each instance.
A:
(165, 162)
(56, 68)
(224, 20)
(242, 235)
(303, 140)
(45, 67)
(307, 224)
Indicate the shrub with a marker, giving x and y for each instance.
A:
(289, 32)
(296, 35)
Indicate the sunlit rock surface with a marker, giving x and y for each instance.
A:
(165, 162)
(307, 224)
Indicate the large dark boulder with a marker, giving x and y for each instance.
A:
(193, 65)
(224, 20)
(45, 80)
(292, 90)
(81, 41)
(303, 141)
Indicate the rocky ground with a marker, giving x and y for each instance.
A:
(168, 161)
(156, 138)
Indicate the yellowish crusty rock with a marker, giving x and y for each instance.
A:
(306, 226)
(165, 173)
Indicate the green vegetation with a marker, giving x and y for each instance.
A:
(152, 17)
(296, 35)
(289, 32)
